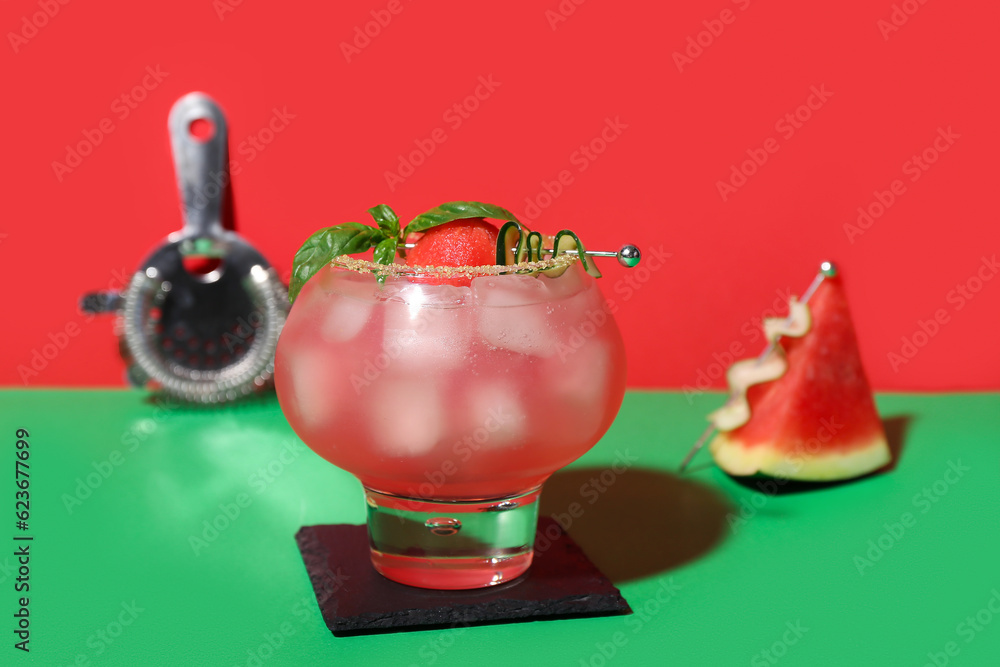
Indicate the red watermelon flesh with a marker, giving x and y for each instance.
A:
(817, 422)
(467, 242)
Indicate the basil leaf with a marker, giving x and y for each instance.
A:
(457, 210)
(385, 251)
(326, 244)
(387, 221)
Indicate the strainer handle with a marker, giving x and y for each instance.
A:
(202, 164)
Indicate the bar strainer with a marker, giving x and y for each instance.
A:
(200, 319)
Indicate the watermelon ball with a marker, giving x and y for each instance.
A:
(469, 242)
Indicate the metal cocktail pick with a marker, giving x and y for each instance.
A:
(628, 255)
(826, 270)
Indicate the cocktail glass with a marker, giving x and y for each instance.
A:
(452, 404)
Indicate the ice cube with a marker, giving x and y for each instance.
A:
(332, 280)
(573, 281)
(582, 313)
(422, 294)
(579, 377)
(509, 290)
(394, 290)
(316, 387)
(344, 317)
(406, 416)
(495, 414)
(520, 330)
(512, 314)
(426, 337)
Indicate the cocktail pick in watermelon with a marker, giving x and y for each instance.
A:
(803, 409)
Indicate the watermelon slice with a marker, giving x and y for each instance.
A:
(466, 242)
(818, 421)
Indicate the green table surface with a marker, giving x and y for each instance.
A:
(901, 568)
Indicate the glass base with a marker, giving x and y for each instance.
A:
(447, 544)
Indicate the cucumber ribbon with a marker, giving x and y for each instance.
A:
(748, 372)
(517, 244)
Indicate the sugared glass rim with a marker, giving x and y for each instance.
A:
(395, 270)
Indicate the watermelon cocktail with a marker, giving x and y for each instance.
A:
(451, 394)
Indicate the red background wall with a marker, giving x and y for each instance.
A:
(889, 89)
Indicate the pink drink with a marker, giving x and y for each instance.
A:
(451, 405)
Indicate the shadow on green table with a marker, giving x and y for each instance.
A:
(636, 524)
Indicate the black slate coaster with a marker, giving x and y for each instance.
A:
(355, 599)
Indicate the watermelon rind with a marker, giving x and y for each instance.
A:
(768, 459)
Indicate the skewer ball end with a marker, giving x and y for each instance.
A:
(629, 256)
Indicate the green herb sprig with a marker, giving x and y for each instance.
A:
(387, 237)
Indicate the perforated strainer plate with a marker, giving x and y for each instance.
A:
(200, 320)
